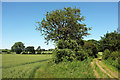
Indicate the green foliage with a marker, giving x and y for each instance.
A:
(106, 54)
(81, 55)
(63, 55)
(116, 63)
(110, 41)
(114, 55)
(63, 24)
(74, 69)
(90, 46)
(50, 49)
(18, 47)
(74, 51)
(43, 50)
(69, 44)
(6, 51)
(90, 52)
(38, 50)
(110, 44)
(30, 49)
(112, 58)
(80, 42)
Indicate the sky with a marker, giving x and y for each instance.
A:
(18, 20)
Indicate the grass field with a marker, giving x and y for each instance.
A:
(21, 66)
(46, 52)
(36, 66)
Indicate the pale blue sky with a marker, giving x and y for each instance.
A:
(18, 20)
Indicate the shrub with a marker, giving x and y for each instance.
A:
(81, 55)
(69, 55)
(116, 64)
(30, 49)
(111, 41)
(106, 54)
(90, 52)
(91, 46)
(62, 55)
(114, 55)
(6, 51)
(69, 50)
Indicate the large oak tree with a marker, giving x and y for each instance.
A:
(63, 24)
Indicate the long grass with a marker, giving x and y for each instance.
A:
(21, 66)
(112, 68)
(75, 69)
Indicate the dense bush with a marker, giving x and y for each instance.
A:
(106, 54)
(116, 63)
(74, 69)
(114, 55)
(92, 48)
(110, 41)
(112, 58)
(6, 51)
(69, 50)
(81, 55)
(63, 55)
(30, 49)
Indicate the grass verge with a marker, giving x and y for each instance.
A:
(75, 69)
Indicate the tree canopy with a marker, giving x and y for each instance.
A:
(30, 49)
(111, 41)
(63, 24)
(18, 47)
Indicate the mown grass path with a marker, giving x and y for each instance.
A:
(103, 68)
(96, 73)
(115, 75)
(33, 73)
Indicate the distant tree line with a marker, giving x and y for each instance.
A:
(19, 48)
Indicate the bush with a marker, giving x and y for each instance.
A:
(62, 55)
(90, 52)
(114, 55)
(111, 41)
(106, 54)
(116, 64)
(81, 55)
(70, 50)
(69, 55)
(30, 49)
(6, 51)
(92, 48)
